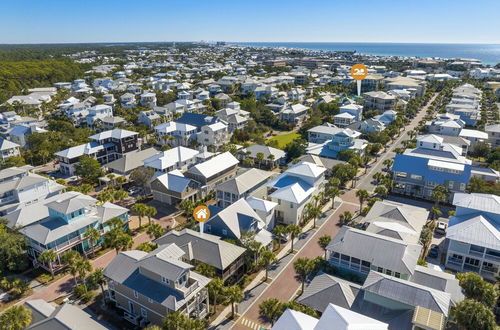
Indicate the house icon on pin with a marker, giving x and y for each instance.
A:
(201, 213)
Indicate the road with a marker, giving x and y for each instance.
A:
(249, 312)
(366, 181)
(287, 275)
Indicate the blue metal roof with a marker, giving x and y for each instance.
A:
(197, 119)
(418, 165)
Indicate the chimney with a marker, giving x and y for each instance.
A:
(179, 162)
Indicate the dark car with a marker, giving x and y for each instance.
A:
(434, 251)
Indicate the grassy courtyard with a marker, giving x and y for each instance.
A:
(284, 139)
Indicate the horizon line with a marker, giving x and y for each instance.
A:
(208, 41)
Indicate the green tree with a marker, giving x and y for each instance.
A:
(270, 309)
(478, 289)
(93, 235)
(260, 158)
(155, 231)
(48, 257)
(175, 321)
(303, 267)
(472, 315)
(83, 266)
(381, 191)
(344, 173)
(362, 195)
(313, 211)
(141, 210)
(324, 241)
(215, 289)
(147, 247)
(233, 294)
(279, 231)
(439, 194)
(293, 231)
(97, 278)
(89, 169)
(267, 257)
(150, 212)
(205, 270)
(70, 259)
(345, 217)
(15, 318)
(12, 249)
(332, 192)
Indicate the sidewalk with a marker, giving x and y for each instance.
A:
(257, 287)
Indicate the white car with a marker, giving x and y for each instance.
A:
(441, 227)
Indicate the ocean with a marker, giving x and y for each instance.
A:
(486, 53)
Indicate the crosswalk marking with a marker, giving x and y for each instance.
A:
(251, 324)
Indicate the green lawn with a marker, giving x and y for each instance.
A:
(284, 139)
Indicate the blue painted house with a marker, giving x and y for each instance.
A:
(418, 171)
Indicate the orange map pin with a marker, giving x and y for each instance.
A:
(359, 71)
(201, 213)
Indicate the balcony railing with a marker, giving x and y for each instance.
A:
(471, 268)
(491, 257)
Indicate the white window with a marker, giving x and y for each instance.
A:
(144, 313)
(150, 300)
(224, 232)
(164, 280)
(462, 186)
(291, 205)
(450, 184)
(416, 177)
(136, 295)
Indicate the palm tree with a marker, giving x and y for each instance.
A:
(362, 195)
(313, 211)
(70, 259)
(234, 294)
(271, 160)
(205, 270)
(388, 163)
(86, 188)
(345, 217)
(150, 212)
(436, 212)
(270, 309)
(439, 194)
(93, 235)
(15, 318)
(332, 192)
(324, 241)
(105, 196)
(294, 231)
(140, 210)
(215, 289)
(155, 231)
(381, 190)
(98, 278)
(259, 157)
(175, 321)
(48, 257)
(119, 195)
(267, 257)
(279, 231)
(303, 267)
(83, 266)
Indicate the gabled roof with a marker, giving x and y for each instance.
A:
(306, 169)
(481, 202)
(69, 203)
(204, 247)
(380, 250)
(266, 150)
(245, 181)
(294, 193)
(66, 316)
(476, 230)
(439, 280)
(261, 204)
(80, 150)
(131, 160)
(116, 133)
(174, 181)
(238, 217)
(170, 157)
(197, 119)
(407, 292)
(214, 165)
(340, 318)
(6, 145)
(293, 320)
(325, 289)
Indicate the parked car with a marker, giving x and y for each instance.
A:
(433, 251)
(441, 228)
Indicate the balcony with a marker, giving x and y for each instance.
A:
(491, 257)
(191, 285)
(455, 261)
(131, 317)
(471, 268)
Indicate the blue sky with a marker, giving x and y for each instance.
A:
(440, 21)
